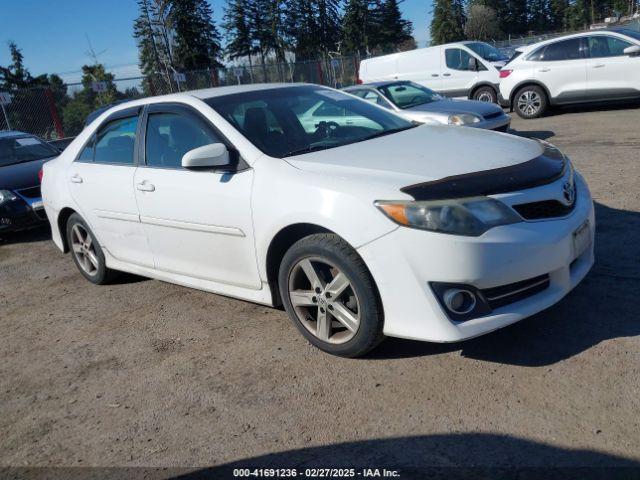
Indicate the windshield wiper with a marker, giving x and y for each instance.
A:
(307, 149)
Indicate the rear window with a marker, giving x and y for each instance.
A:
(24, 149)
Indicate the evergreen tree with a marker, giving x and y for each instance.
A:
(514, 17)
(197, 42)
(237, 28)
(328, 22)
(394, 30)
(355, 27)
(540, 16)
(301, 28)
(447, 24)
(16, 75)
(558, 12)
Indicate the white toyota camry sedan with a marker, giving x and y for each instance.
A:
(358, 228)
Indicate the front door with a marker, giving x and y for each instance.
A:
(198, 222)
(101, 183)
(457, 78)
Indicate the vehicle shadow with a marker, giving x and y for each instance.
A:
(593, 107)
(38, 234)
(446, 456)
(602, 307)
(538, 134)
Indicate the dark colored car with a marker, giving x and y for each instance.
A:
(21, 158)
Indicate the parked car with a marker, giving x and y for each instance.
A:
(415, 102)
(593, 66)
(21, 159)
(464, 69)
(428, 232)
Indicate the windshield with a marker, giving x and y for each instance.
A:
(24, 149)
(486, 51)
(294, 120)
(408, 94)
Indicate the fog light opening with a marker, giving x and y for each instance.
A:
(459, 301)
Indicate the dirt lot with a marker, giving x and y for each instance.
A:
(143, 373)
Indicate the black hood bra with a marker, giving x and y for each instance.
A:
(547, 168)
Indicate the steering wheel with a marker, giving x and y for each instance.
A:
(326, 129)
(414, 98)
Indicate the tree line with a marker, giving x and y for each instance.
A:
(455, 20)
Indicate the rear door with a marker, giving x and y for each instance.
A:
(610, 73)
(457, 78)
(198, 221)
(421, 65)
(562, 67)
(101, 183)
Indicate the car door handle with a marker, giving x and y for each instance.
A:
(435, 75)
(446, 74)
(544, 69)
(146, 187)
(600, 65)
(76, 178)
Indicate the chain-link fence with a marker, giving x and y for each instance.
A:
(58, 114)
(34, 110)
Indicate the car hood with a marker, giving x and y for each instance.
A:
(21, 175)
(421, 154)
(457, 107)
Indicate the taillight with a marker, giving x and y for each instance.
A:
(505, 73)
(41, 174)
(359, 81)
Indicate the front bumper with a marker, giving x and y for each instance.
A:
(22, 214)
(500, 124)
(405, 261)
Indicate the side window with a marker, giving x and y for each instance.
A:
(115, 142)
(565, 50)
(327, 109)
(171, 135)
(457, 59)
(371, 96)
(87, 152)
(603, 46)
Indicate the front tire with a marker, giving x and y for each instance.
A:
(486, 94)
(86, 252)
(530, 102)
(330, 296)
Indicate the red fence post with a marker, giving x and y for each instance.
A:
(54, 113)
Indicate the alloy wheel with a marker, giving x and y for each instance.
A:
(529, 103)
(84, 250)
(485, 97)
(324, 300)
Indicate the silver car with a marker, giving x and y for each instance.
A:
(421, 104)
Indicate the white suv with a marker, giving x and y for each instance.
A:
(586, 67)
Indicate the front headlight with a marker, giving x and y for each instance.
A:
(6, 196)
(464, 216)
(463, 119)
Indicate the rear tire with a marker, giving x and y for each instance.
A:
(486, 94)
(530, 102)
(87, 253)
(330, 296)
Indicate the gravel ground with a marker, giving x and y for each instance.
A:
(144, 373)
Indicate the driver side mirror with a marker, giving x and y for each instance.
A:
(209, 156)
(632, 51)
(473, 64)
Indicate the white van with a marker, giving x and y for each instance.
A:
(465, 69)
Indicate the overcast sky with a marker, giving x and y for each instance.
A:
(52, 34)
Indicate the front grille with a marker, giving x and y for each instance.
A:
(505, 294)
(489, 116)
(31, 192)
(543, 209)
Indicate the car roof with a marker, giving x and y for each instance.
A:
(13, 134)
(200, 94)
(601, 31)
(375, 84)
